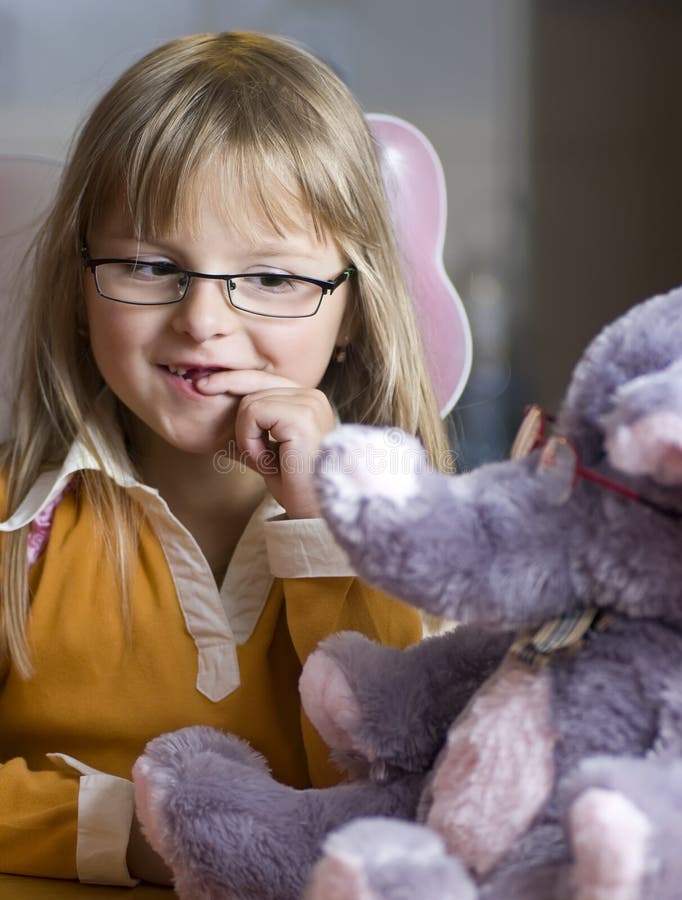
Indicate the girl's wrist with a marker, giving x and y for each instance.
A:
(143, 862)
(302, 511)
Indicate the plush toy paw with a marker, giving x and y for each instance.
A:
(367, 476)
(623, 822)
(164, 765)
(386, 859)
(330, 702)
(343, 689)
(357, 459)
(377, 491)
(609, 837)
(210, 808)
(346, 706)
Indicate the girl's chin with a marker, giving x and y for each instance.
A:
(191, 440)
(208, 445)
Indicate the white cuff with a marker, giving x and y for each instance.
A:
(304, 548)
(105, 814)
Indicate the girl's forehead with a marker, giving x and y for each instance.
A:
(278, 221)
(260, 197)
(263, 208)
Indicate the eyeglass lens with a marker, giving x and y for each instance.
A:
(557, 470)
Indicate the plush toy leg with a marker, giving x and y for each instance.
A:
(384, 859)
(392, 708)
(609, 836)
(227, 829)
(194, 792)
(623, 820)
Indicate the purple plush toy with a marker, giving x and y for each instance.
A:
(555, 773)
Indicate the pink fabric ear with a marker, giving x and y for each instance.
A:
(651, 445)
(415, 186)
(27, 185)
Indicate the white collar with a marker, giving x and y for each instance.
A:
(217, 620)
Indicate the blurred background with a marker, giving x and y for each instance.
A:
(557, 122)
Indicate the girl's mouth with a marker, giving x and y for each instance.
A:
(191, 375)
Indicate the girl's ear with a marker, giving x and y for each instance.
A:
(348, 328)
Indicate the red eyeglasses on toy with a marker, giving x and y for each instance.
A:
(559, 463)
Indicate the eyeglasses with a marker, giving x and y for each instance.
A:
(559, 464)
(142, 282)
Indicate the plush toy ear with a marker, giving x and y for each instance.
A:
(643, 432)
(651, 445)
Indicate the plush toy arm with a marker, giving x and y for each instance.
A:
(392, 708)
(482, 547)
(644, 430)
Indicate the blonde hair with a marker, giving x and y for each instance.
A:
(262, 110)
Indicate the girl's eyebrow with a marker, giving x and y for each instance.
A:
(281, 249)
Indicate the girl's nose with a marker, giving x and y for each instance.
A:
(205, 312)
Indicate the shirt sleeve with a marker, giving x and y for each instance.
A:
(106, 806)
(38, 821)
(60, 823)
(303, 548)
(318, 607)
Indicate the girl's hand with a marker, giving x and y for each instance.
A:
(278, 430)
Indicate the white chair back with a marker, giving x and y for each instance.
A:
(27, 186)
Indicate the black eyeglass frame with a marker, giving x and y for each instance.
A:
(326, 287)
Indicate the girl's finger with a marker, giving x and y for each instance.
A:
(295, 420)
(241, 382)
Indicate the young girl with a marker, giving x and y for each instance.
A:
(216, 285)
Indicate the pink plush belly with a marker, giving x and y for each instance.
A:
(498, 767)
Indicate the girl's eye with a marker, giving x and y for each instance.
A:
(270, 281)
(274, 293)
(145, 270)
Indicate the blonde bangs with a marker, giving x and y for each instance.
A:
(198, 157)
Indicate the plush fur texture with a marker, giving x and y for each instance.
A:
(534, 781)
(388, 859)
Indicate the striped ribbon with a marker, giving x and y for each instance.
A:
(565, 634)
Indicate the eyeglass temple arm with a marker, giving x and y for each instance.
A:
(591, 475)
(339, 280)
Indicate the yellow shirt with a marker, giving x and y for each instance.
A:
(191, 654)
